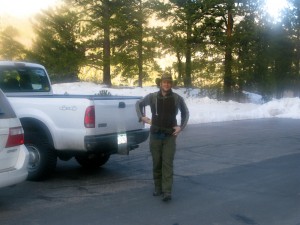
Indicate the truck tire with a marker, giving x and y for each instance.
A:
(43, 159)
(92, 161)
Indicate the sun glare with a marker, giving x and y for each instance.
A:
(24, 8)
(274, 7)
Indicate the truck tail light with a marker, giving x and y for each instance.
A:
(15, 137)
(89, 117)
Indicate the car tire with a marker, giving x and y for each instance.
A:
(92, 161)
(42, 160)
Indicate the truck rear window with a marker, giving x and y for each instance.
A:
(23, 79)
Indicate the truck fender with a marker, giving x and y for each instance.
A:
(38, 140)
(33, 125)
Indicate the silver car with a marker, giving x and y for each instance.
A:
(13, 153)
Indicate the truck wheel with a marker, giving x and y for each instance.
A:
(92, 161)
(42, 161)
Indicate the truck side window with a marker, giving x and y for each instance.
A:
(39, 80)
(12, 84)
(25, 82)
(9, 80)
(24, 79)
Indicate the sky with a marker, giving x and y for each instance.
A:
(202, 110)
(24, 8)
(27, 8)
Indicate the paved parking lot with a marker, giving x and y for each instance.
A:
(231, 173)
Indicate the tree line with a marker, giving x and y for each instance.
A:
(229, 46)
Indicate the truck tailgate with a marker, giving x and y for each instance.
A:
(116, 115)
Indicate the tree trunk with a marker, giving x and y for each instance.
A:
(140, 48)
(179, 67)
(106, 44)
(228, 79)
(188, 57)
(298, 45)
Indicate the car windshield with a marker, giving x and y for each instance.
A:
(23, 79)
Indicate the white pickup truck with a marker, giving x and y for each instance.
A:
(87, 127)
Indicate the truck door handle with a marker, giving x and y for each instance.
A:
(122, 105)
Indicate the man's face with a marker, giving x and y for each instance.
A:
(166, 85)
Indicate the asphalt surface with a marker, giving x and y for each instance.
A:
(231, 173)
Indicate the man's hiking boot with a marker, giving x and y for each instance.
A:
(167, 197)
(157, 193)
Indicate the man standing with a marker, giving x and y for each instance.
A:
(164, 130)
